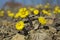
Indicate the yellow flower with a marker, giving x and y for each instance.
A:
(47, 5)
(1, 13)
(19, 25)
(36, 12)
(24, 14)
(49, 14)
(46, 12)
(8, 11)
(59, 11)
(22, 9)
(56, 8)
(27, 12)
(17, 15)
(42, 20)
(31, 9)
(54, 12)
(25, 9)
(11, 15)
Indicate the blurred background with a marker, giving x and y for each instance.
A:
(3, 3)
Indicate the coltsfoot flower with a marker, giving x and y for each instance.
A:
(56, 10)
(59, 11)
(47, 5)
(23, 12)
(17, 15)
(46, 12)
(8, 11)
(42, 20)
(36, 12)
(31, 9)
(19, 25)
(22, 9)
(1, 13)
(11, 15)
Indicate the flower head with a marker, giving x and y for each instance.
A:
(36, 12)
(46, 12)
(1, 13)
(22, 9)
(31, 9)
(42, 20)
(56, 10)
(8, 11)
(47, 5)
(11, 15)
(59, 11)
(23, 12)
(19, 25)
(17, 15)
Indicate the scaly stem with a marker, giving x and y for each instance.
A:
(31, 25)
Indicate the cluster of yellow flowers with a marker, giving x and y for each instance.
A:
(23, 12)
(20, 25)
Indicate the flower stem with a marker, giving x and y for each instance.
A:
(31, 25)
